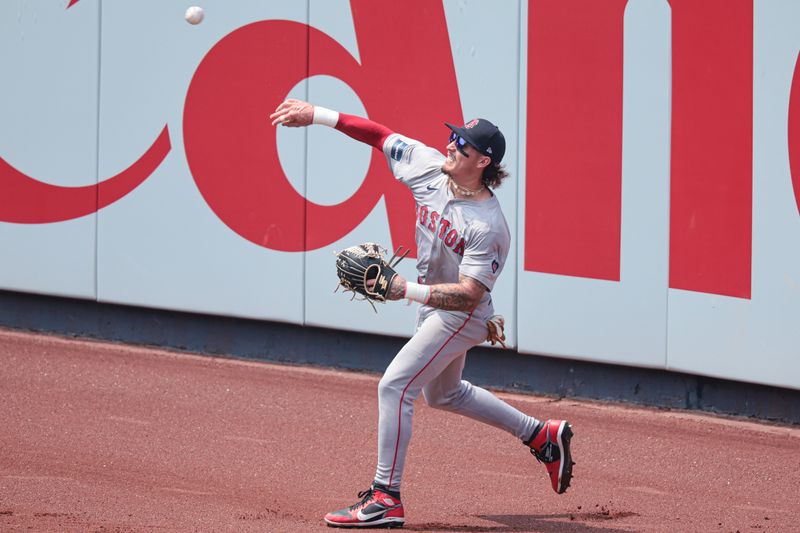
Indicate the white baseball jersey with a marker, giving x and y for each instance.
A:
(454, 236)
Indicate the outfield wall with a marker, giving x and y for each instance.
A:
(654, 148)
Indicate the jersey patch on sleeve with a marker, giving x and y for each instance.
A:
(398, 150)
(495, 266)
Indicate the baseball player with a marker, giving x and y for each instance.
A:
(462, 241)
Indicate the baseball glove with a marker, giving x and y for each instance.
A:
(358, 264)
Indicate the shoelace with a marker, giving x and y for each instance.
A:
(545, 455)
(365, 496)
(539, 457)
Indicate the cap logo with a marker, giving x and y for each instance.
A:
(471, 124)
(489, 150)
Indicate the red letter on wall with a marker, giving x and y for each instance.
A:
(712, 146)
(574, 138)
(794, 132)
(231, 146)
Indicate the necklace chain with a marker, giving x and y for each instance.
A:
(463, 190)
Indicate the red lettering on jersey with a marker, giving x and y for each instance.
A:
(443, 227)
(574, 138)
(450, 240)
(423, 214)
(231, 146)
(712, 146)
(459, 249)
(434, 220)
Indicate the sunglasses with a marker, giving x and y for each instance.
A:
(460, 143)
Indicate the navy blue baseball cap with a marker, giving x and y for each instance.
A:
(483, 136)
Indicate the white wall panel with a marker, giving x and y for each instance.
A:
(625, 321)
(86, 90)
(756, 340)
(48, 131)
(163, 246)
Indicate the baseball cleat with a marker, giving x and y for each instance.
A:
(549, 443)
(379, 507)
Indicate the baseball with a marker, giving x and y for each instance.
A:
(194, 15)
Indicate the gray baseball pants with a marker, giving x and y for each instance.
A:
(431, 362)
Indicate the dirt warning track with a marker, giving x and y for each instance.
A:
(106, 437)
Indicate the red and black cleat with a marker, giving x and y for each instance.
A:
(550, 445)
(379, 507)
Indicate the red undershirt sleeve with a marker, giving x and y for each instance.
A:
(363, 129)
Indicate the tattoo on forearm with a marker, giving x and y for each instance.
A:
(397, 290)
(462, 296)
(452, 297)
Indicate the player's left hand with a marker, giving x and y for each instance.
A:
(293, 113)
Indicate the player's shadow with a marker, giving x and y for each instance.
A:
(543, 523)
